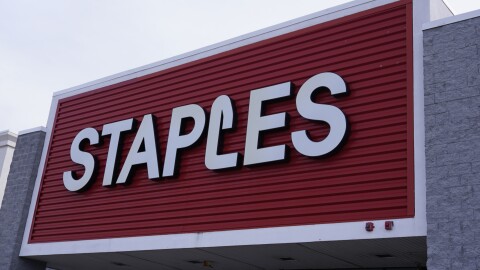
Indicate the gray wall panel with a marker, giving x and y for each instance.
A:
(16, 202)
(452, 119)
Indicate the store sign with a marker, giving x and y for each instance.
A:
(249, 136)
(143, 150)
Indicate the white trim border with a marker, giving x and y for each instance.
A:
(421, 14)
(276, 235)
(452, 19)
(415, 226)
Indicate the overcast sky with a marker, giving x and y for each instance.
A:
(50, 45)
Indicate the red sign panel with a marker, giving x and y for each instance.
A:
(369, 177)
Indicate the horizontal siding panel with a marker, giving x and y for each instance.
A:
(375, 212)
(193, 193)
(368, 178)
(229, 187)
(233, 219)
(220, 210)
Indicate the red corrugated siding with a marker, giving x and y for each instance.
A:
(369, 178)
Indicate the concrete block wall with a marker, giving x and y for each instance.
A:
(452, 123)
(16, 202)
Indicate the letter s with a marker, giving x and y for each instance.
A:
(84, 158)
(332, 115)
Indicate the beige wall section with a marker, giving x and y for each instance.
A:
(8, 141)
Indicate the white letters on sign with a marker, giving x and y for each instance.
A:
(145, 134)
(177, 141)
(257, 123)
(82, 158)
(321, 112)
(222, 115)
(143, 150)
(114, 129)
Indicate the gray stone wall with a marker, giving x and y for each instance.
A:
(452, 119)
(16, 202)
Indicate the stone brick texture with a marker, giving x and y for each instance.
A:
(452, 122)
(16, 202)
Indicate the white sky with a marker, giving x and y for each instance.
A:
(50, 45)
